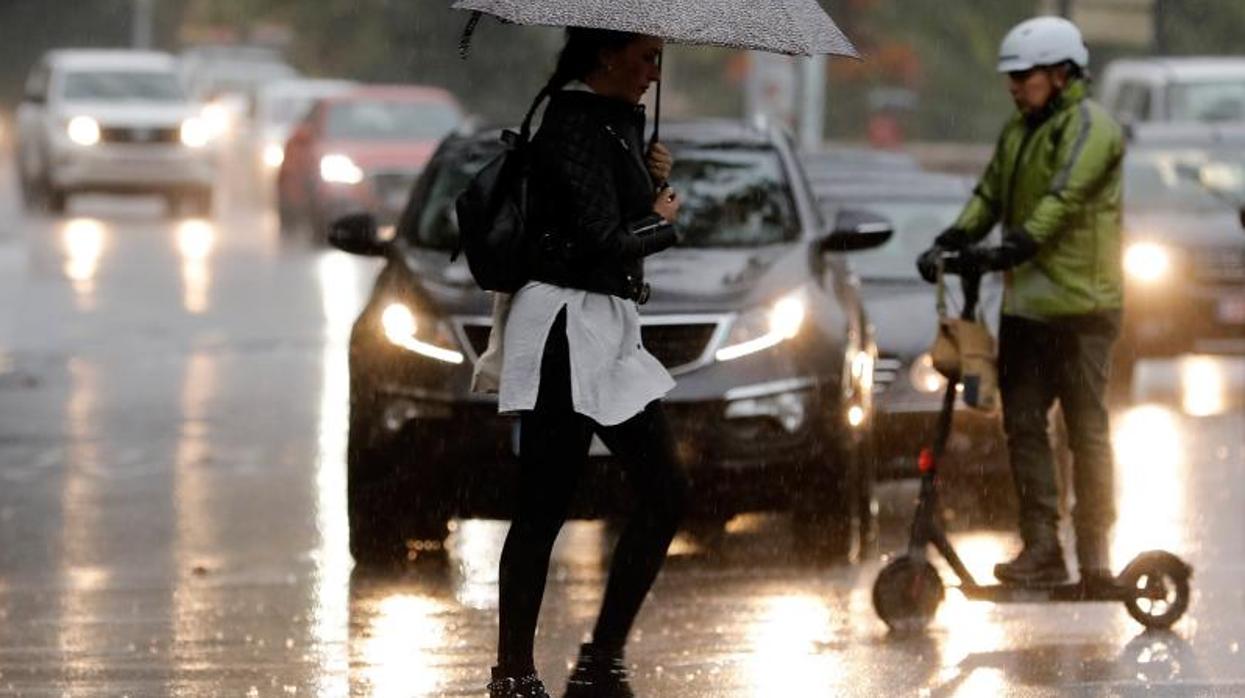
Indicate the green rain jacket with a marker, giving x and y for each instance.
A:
(1057, 179)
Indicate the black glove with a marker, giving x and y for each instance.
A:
(953, 240)
(970, 261)
(927, 264)
(1016, 248)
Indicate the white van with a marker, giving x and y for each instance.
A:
(112, 121)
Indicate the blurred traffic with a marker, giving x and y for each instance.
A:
(792, 317)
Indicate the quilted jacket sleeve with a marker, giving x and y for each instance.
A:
(587, 198)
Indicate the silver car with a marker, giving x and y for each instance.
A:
(112, 121)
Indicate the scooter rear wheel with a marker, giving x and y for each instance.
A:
(1158, 585)
(907, 593)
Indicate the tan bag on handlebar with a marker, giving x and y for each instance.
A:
(964, 350)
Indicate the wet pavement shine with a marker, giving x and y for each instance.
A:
(173, 403)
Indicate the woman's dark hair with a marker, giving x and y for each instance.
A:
(582, 54)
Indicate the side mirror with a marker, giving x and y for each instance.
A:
(358, 233)
(857, 230)
(1242, 212)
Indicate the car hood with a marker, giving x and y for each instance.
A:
(904, 313)
(384, 155)
(131, 114)
(1194, 228)
(682, 280)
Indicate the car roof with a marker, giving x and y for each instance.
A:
(1187, 68)
(413, 93)
(111, 59)
(299, 87)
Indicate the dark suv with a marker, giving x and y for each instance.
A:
(754, 313)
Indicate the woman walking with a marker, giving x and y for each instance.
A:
(573, 363)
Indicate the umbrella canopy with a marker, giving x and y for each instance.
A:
(793, 27)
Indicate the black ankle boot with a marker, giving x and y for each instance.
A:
(528, 686)
(1040, 563)
(598, 674)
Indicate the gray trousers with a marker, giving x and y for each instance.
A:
(1066, 360)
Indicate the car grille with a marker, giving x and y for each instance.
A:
(1220, 266)
(675, 345)
(885, 371)
(140, 135)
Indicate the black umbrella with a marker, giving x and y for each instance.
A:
(792, 27)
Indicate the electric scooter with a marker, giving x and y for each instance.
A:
(1154, 587)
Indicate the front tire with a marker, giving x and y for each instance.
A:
(826, 515)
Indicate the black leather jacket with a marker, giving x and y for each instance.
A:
(590, 205)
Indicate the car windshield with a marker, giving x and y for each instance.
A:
(391, 120)
(288, 109)
(112, 86)
(1221, 100)
(1184, 180)
(733, 197)
(916, 223)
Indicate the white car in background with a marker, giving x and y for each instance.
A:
(1193, 89)
(279, 107)
(112, 121)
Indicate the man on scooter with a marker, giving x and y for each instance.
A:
(1054, 185)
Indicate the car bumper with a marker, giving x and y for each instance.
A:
(1193, 318)
(738, 454)
(133, 168)
(976, 446)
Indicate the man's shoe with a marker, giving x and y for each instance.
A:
(1039, 564)
(598, 674)
(528, 686)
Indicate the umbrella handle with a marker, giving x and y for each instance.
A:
(464, 42)
(657, 120)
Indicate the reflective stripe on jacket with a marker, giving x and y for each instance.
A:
(1059, 179)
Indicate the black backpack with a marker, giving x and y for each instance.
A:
(492, 213)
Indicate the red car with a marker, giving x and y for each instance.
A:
(361, 151)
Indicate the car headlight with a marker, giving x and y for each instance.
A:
(83, 130)
(274, 155)
(762, 328)
(1148, 262)
(195, 133)
(217, 118)
(420, 335)
(340, 169)
(924, 377)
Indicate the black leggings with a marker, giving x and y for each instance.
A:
(553, 452)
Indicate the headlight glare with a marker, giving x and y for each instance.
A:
(195, 133)
(925, 378)
(83, 130)
(763, 328)
(1147, 262)
(340, 169)
(427, 338)
(274, 155)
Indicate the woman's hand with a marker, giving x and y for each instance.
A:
(667, 204)
(660, 163)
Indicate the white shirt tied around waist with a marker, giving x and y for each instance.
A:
(613, 377)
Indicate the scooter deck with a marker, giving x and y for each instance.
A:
(1072, 593)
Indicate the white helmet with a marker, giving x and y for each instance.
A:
(1042, 41)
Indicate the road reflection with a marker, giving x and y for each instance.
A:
(1151, 467)
(340, 299)
(195, 241)
(786, 639)
(83, 241)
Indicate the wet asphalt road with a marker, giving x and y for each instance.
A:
(173, 513)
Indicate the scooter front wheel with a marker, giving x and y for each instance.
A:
(1157, 585)
(907, 593)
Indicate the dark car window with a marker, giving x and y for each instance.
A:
(732, 197)
(1184, 180)
(916, 222)
(391, 120)
(124, 86)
